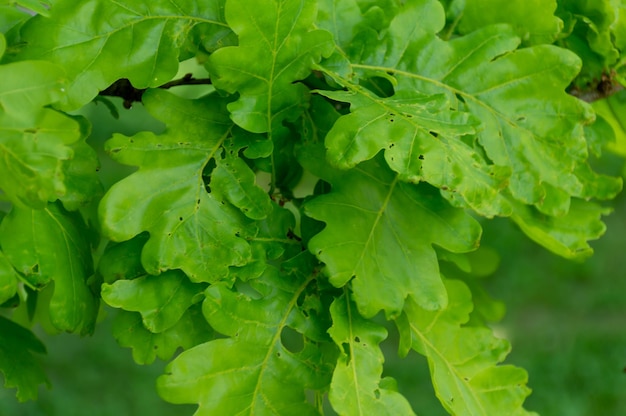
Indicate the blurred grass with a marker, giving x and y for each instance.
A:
(93, 376)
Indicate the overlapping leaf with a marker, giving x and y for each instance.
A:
(48, 245)
(380, 233)
(421, 138)
(356, 387)
(463, 360)
(161, 300)
(190, 330)
(567, 235)
(589, 29)
(529, 125)
(142, 41)
(17, 362)
(251, 372)
(277, 47)
(34, 141)
(199, 232)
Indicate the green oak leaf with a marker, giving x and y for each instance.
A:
(277, 46)
(50, 245)
(161, 300)
(20, 368)
(566, 235)
(263, 376)
(533, 21)
(380, 232)
(199, 230)
(96, 52)
(35, 142)
(422, 142)
(190, 330)
(463, 360)
(485, 75)
(589, 33)
(355, 388)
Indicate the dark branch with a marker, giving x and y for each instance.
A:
(124, 89)
(606, 87)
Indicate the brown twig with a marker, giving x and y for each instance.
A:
(606, 87)
(124, 89)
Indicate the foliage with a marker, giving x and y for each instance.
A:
(329, 188)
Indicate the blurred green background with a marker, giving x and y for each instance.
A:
(566, 321)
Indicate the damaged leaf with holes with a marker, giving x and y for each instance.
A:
(266, 373)
(168, 196)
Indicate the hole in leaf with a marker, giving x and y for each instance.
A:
(460, 98)
(207, 171)
(392, 145)
(380, 86)
(292, 340)
(357, 339)
(421, 157)
(377, 393)
(322, 187)
(346, 350)
(521, 118)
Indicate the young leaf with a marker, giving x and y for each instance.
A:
(161, 300)
(277, 46)
(380, 233)
(141, 43)
(355, 388)
(251, 372)
(190, 229)
(50, 245)
(463, 360)
(17, 345)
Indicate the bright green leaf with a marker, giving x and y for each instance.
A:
(50, 245)
(421, 142)
(380, 233)
(251, 372)
(161, 300)
(566, 236)
(533, 21)
(191, 227)
(20, 368)
(34, 141)
(277, 46)
(588, 26)
(142, 42)
(463, 360)
(355, 388)
(485, 75)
